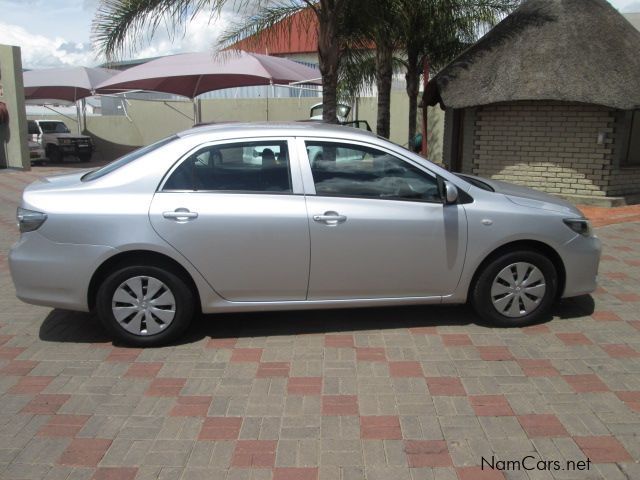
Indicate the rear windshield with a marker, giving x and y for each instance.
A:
(128, 158)
(54, 127)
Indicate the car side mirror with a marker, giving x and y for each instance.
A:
(450, 193)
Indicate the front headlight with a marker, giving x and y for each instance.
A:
(65, 141)
(579, 225)
(29, 220)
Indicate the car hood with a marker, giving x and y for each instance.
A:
(68, 135)
(529, 197)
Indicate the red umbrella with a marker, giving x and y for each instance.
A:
(67, 84)
(191, 74)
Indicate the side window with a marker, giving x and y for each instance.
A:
(355, 171)
(33, 128)
(240, 167)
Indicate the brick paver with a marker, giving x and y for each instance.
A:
(404, 393)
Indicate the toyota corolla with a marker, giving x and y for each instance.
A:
(253, 217)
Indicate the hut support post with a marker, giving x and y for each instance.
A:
(425, 80)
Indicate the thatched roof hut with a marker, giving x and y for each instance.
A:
(568, 50)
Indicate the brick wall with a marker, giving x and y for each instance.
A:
(550, 146)
(625, 180)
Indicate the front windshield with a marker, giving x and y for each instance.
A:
(54, 127)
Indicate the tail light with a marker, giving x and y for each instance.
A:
(29, 220)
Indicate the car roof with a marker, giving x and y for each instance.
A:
(312, 128)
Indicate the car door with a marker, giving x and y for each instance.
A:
(236, 212)
(378, 226)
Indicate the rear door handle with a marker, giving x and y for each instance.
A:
(180, 214)
(330, 218)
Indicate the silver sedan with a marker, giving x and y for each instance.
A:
(247, 217)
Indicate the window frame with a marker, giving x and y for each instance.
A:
(626, 161)
(309, 183)
(294, 166)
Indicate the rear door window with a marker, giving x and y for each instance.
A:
(261, 166)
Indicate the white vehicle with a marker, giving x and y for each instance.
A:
(58, 142)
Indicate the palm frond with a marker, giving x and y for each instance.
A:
(119, 24)
(357, 73)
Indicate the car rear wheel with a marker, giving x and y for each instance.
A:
(145, 305)
(515, 289)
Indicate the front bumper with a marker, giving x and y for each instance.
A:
(581, 257)
(37, 155)
(73, 149)
(54, 274)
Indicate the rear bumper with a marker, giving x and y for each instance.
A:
(581, 258)
(54, 274)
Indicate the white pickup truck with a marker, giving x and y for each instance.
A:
(58, 142)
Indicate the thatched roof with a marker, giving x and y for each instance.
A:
(567, 50)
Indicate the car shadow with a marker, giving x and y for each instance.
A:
(77, 327)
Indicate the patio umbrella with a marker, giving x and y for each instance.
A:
(67, 84)
(64, 84)
(191, 74)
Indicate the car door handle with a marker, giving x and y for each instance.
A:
(180, 214)
(330, 218)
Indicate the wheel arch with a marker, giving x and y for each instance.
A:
(138, 257)
(528, 245)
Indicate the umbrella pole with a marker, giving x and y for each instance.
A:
(196, 111)
(84, 114)
(78, 117)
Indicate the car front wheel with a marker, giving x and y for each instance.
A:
(54, 154)
(144, 305)
(515, 289)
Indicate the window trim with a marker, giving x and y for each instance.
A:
(294, 166)
(309, 184)
(625, 161)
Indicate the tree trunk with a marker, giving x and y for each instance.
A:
(329, 57)
(413, 89)
(384, 78)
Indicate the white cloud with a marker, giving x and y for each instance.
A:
(42, 51)
(198, 35)
(39, 51)
(631, 7)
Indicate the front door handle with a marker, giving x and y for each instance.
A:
(330, 218)
(180, 214)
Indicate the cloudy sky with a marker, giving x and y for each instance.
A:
(54, 33)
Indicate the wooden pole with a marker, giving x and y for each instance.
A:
(425, 143)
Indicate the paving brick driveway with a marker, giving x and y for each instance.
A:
(389, 394)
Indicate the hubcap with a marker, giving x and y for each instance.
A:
(518, 290)
(143, 306)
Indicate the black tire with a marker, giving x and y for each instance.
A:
(481, 295)
(54, 154)
(178, 287)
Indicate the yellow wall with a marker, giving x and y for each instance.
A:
(149, 121)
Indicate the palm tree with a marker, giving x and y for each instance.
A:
(376, 26)
(119, 24)
(335, 22)
(410, 33)
(434, 31)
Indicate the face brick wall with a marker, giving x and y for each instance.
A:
(550, 146)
